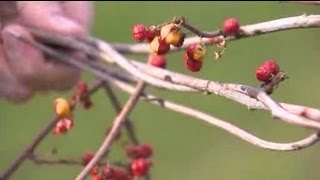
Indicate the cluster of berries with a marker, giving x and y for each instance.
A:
(62, 108)
(161, 39)
(139, 165)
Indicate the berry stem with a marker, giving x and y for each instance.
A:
(181, 21)
(200, 33)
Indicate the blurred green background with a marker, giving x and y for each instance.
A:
(185, 148)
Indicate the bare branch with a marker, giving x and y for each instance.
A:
(230, 128)
(203, 85)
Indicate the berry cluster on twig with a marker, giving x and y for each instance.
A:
(163, 39)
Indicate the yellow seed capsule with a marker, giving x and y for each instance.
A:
(166, 29)
(199, 52)
(174, 37)
(172, 34)
(62, 107)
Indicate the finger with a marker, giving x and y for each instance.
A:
(47, 15)
(8, 8)
(79, 11)
(10, 88)
(30, 66)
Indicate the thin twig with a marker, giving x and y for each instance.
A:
(116, 105)
(130, 104)
(54, 161)
(29, 149)
(39, 138)
(51, 161)
(289, 23)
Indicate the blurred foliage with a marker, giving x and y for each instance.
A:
(185, 148)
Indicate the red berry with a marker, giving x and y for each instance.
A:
(145, 150)
(267, 70)
(112, 173)
(231, 26)
(159, 46)
(95, 171)
(86, 158)
(140, 167)
(139, 151)
(97, 177)
(63, 126)
(191, 63)
(196, 51)
(151, 34)
(158, 60)
(132, 152)
(139, 32)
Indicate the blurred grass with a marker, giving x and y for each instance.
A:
(186, 149)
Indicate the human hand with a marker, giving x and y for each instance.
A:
(24, 70)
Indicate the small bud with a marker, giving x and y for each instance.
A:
(81, 90)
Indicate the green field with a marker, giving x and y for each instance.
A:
(186, 148)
